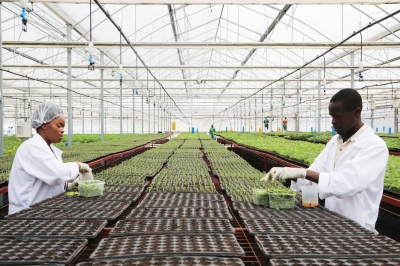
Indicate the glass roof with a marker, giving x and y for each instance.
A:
(216, 82)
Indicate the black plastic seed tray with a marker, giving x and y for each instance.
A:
(50, 229)
(39, 251)
(240, 205)
(168, 261)
(167, 213)
(81, 204)
(124, 189)
(131, 197)
(181, 195)
(159, 245)
(305, 227)
(55, 214)
(172, 227)
(183, 203)
(285, 246)
(336, 262)
(289, 214)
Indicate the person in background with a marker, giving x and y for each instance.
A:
(38, 172)
(285, 124)
(266, 123)
(212, 130)
(349, 171)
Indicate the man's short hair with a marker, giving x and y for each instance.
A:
(350, 99)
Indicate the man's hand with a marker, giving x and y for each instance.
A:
(283, 173)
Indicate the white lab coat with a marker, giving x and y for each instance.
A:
(37, 173)
(354, 187)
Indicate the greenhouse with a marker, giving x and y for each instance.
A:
(170, 132)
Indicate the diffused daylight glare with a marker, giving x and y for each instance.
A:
(228, 64)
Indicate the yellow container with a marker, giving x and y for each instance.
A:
(251, 127)
(279, 129)
(9, 152)
(174, 125)
(259, 131)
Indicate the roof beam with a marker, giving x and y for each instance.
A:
(221, 2)
(13, 66)
(200, 45)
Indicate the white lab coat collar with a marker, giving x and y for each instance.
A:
(57, 151)
(359, 143)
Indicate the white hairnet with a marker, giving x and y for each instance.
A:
(45, 113)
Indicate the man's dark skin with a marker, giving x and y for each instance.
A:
(346, 124)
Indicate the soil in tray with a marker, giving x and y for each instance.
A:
(54, 214)
(206, 245)
(50, 229)
(172, 226)
(168, 261)
(183, 203)
(337, 262)
(81, 204)
(168, 213)
(180, 195)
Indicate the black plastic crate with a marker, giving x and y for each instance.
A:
(39, 251)
(167, 213)
(183, 203)
(285, 246)
(240, 205)
(289, 214)
(162, 245)
(336, 262)
(50, 229)
(305, 227)
(181, 195)
(131, 197)
(172, 227)
(54, 214)
(168, 261)
(81, 204)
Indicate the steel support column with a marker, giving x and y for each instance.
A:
(1, 91)
(102, 96)
(69, 86)
(133, 111)
(142, 118)
(352, 71)
(319, 102)
(297, 112)
(148, 115)
(120, 110)
(396, 120)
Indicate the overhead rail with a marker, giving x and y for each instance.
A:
(199, 45)
(15, 66)
(208, 80)
(222, 2)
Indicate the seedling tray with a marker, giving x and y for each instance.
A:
(285, 246)
(168, 261)
(39, 251)
(337, 262)
(50, 229)
(175, 213)
(180, 195)
(55, 214)
(172, 227)
(240, 205)
(163, 245)
(305, 227)
(289, 214)
(123, 189)
(81, 204)
(183, 203)
(131, 197)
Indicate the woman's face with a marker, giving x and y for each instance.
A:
(53, 131)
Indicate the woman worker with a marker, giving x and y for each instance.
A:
(38, 172)
(349, 172)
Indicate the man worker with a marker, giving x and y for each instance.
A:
(349, 172)
(285, 124)
(266, 123)
(212, 130)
